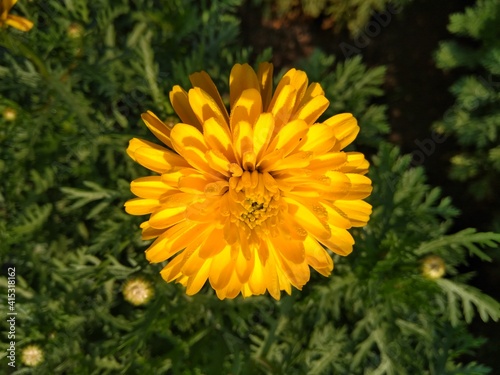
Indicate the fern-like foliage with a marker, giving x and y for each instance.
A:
(351, 86)
(474, 119)
(353, 15)
(78, 82)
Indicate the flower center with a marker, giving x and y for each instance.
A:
(255, 197)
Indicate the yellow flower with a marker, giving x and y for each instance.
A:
(7, 19)
(246, 199)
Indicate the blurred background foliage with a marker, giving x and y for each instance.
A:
(71, 94)
(474, 118)
(351, 14)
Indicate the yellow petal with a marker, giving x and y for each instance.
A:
(242, 78)
(297, 273)
(320, 139)
(184, 135)
(262, 249)
(292, 250)
(164, 217)
(340, 242)
(195, 183)
(193, 264)
(172, 178)
(284, 283)
(148, 233)
(175, 239)
(204, 106)
(292, 161)
(244, 267)
(336, 218)
(196, 282)
(309, 217)
(346, 128)
(356, 163)
(265, 78)
(19, 23)
(242, 139)
(317, 257)
(295, 79)
(218, 162)
(157, 127)
(172, 270)
(222, 269)
(249, 161)
(154, 157)
(8, 4)
(257, 280)
(150, 187)
(247, 107)
(190, 143)
(361, 186)
(357, 211)
(218, 137)
(233, 288)
(282, 105)
(271, 277)
(217, 188)
(332, 185)
(312, 91)
(206, 210)
(140, 206)
(245, 291)
(203, 80)
(178, 199)
(311, 110)
(289, 136)
(262, 133)
(230, 232)
(180, 102)
(213, 244)
(291, 229)
(330, 161)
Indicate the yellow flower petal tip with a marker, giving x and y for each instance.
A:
(12, 20)
(251, 198)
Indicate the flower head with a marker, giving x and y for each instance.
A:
(433, 267)
(7, 19)
(249, 198)
(75, 31)
(9, 114)
(32, 355)
(137, 291)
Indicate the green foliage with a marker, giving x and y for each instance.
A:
(353, 14)
(78, 83)
(474, 118)
(352, 88)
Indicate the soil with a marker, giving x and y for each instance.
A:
(416, 94)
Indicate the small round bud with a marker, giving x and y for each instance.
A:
(75, 31)
(9, 114)
(32, 355)
(137, 291)
(433, 267)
